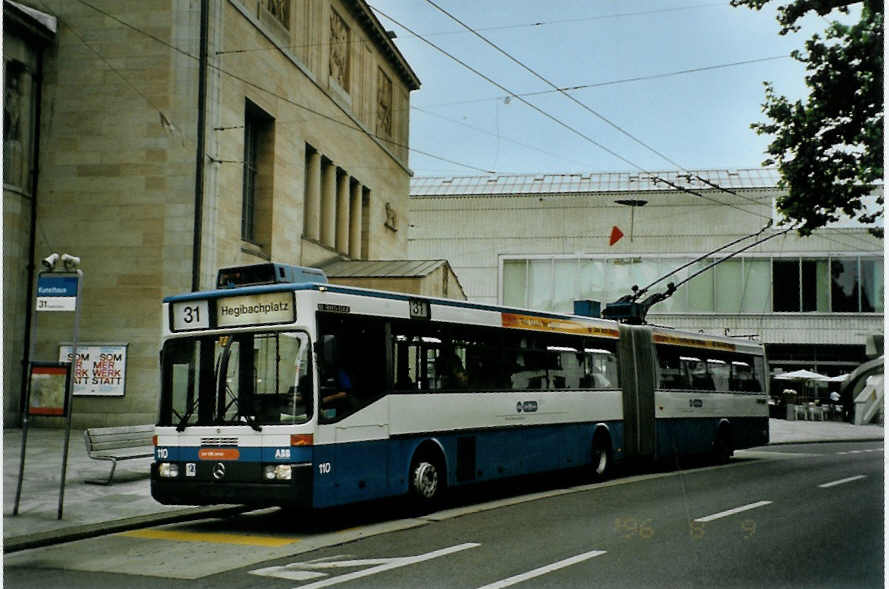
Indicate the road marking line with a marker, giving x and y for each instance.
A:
(285, 572)
(393, 563)
(710, 518)
(842, 481)
(774, 453)
(544, 569)
(210, 537)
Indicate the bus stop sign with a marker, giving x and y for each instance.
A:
(56, 293)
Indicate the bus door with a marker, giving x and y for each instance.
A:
(638, 378)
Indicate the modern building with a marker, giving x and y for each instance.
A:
(298, 117)
(543, 241)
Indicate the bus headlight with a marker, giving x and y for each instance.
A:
(168, 470)
(277, 472)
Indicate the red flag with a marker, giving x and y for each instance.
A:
(616, 234)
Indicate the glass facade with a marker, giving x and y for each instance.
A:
(736, 286)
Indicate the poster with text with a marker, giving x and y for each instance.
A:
(99, 369)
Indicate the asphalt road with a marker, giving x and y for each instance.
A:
(788, 516)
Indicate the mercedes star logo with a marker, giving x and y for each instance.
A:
(219, 471)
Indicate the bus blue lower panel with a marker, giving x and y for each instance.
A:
(696, 436)
(370, 470)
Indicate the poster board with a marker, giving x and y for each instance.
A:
(100, 370)
(48, 389)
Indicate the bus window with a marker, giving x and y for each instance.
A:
(601, 372)
(719, 373)
(568, 367)
(696, 372)
(671, 375)
(526, 365)
(407, 362)
(483, 367)
(353, 374)
(744, 376)
(187, 363)
(282, 390)
(257, 379)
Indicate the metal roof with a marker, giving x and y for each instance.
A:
(381, 268)
(592, 182)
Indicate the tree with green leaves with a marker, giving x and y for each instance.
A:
(829, 148)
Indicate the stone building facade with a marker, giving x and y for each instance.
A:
(543, 241)
(305, 162)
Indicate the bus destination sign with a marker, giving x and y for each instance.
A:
(255, 309)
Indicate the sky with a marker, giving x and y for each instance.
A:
(463, 124)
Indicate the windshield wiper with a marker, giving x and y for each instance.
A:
(248, 419)
(180, 427)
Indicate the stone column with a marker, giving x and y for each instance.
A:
(312, 222)
(328, 203)
(355, 223)
(342, 211)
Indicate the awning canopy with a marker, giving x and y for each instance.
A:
(802, 375)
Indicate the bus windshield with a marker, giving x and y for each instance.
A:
(255, 379)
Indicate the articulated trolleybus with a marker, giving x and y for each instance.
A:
(281, 389)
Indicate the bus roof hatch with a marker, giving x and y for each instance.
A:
(267, 273)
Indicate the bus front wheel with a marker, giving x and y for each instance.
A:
(426, 480)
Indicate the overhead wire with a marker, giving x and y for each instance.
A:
(590, 110)
(328, 117)
(552, 85)
(573, 99)
(587, 18)
(620, 81)
(494, 28)
(550, 116)
(486, 132)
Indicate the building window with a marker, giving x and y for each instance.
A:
(815, 285)
(16, 124)
(844, 285)
(785, 285)
(735, 286)
(280, 9)
(871, 285)
(339, 50)
(384, 105)
(258, 160)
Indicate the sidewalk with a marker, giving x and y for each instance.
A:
(88, 510)
(91, 510)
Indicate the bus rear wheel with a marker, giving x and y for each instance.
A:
(722, 446)
(601, 458)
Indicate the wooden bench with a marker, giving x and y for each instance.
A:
(118, 443)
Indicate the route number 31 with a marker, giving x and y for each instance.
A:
(191, 315)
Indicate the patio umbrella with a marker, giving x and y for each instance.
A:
(801, 375)
(838, 378)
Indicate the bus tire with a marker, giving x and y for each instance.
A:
(427, 480)
(601, 457)
(722, 446)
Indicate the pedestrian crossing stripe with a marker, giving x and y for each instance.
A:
(213, 538)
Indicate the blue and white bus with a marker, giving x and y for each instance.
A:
(278, 388)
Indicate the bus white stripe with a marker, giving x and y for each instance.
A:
(545, 569)
(710, 518)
